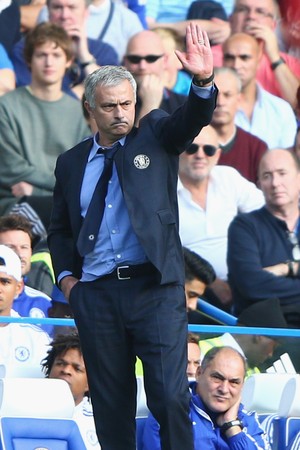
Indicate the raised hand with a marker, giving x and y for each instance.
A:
(198, 58)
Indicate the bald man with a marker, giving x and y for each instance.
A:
(268, 117)
(278, 72)
(209, 197)
(263, 245)
(146, 60)
(240, 149)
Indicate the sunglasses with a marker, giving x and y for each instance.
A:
(136, 59)
(295, 243)
(209, 150)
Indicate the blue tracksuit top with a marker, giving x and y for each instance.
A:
(207, 435)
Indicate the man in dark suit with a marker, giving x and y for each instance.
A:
(127, 294)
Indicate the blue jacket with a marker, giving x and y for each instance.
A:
(33, 303)
(207, 435)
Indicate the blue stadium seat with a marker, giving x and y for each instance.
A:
(37, 413)
(285, 433)
(19, 433)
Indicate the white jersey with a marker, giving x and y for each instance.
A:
(84, 418)
(22, 348)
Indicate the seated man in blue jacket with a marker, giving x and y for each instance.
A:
(217, 414)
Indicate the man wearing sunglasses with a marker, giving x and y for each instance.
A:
(209, 198)
(263, 246)
(146, 60)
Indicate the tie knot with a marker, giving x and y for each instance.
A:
(108, 152)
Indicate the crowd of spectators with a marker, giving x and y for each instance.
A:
(242, 173)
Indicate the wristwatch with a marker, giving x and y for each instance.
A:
(277, 63)
(205, 81)
(230, 424)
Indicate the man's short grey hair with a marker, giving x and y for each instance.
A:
(106, 76)
(86, 2)
(229, 70)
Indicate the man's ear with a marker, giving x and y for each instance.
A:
(198, 373)
(88, 108)
(69, 63)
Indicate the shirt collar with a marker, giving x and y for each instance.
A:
(96, 146)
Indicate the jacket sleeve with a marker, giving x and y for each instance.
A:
(252, 437)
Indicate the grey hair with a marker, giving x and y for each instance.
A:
(106, 76)
(86, 2)
(229, 70)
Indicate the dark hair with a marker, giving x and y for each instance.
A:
(212, 353)
(13, 222)
(59, 346)
(193, 338)
(197, 267)
(47, 32)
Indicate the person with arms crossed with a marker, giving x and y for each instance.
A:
(124, 275)
(263, 245)
(209, 197)
(219, 419)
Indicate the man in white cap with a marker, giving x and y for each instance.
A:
(22, 346)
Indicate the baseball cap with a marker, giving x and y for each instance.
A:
(10, 263)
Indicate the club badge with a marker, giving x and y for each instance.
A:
(141, 161)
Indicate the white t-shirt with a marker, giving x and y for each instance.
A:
(205, 231)
(22, 348)
(273, 120)
(84, 418)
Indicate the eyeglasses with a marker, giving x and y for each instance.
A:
(209, 150)
(295, 243)
(243, 9)
(136, 59)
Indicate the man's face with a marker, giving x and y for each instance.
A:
(193, 359)
(67, 13)
(114, 112)
(70, 367)
(9, 290)
(279, 179)
(20, 243)
(197, 167)
(260, 350)
(248, 13)
(220, 384)
(227, 101)
(193, 290)
(242, 55)
(48, 64)
(145, 44)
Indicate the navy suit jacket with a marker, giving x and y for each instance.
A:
(150, 193)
